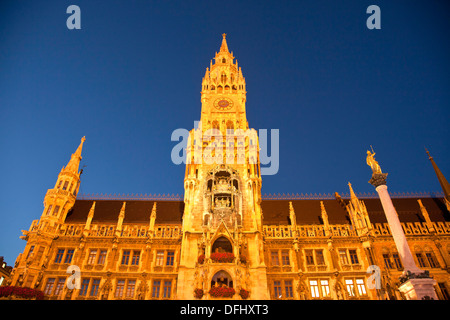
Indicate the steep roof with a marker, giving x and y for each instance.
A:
(275, 212)
(136, 211)
(308, 211)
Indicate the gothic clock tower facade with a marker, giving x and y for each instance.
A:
(222, 244)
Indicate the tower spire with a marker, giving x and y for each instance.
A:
(224, 46)
(442, 181)
(75, 159)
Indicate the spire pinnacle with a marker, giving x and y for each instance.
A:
(442, 181)
(224, 46)
(324, 215)
(75, 159)
(352, 193)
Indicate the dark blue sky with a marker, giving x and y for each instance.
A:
(133, 74)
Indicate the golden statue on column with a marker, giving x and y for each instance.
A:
(372, 163)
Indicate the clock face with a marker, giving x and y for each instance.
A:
(223, 104)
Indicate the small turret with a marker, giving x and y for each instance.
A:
(59, 200)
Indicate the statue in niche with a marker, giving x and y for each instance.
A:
(222, 203)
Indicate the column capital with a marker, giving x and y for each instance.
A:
(378, 179)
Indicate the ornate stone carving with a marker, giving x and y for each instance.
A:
(378, 179)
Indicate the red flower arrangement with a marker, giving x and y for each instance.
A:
(26, 293)
(222, 292)
(201, 259)
(198, 293)
(222, 257)
(244, 293)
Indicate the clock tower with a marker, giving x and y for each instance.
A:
(222, 244)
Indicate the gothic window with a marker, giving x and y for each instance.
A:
(325, 289)
(213, 88)
(444, 291)
(170, 258)
(285, 258)
(66, 184)
(319, 257)
(92, 256)
(156, 288)
(355, 287)
(49, 286)
(345, 254)
(431, 260)
(314, 287)
(125, 257)
(350, 286)
(288, 289)
(55, 212)
(30, 252)
(222, 244)
(59, 256)
(219, 89)
(230, 127)
(135, 258)
(69, 256)
(94, 287)
(222, 279)
(353, 256)
(39, 254)
(224, 60)
(387, 261)
(319, 288)
(119, 288)
(75, 190)
(274, 258)
(102, 257)
(421, 260)
(131, 285)
(59, 286)
(215, 125)
(159, 258)
(49, 209)
(309, 257)
(361, 287)
(397, 261)
(277, 289)
(167, 288)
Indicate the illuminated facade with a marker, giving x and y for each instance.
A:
(224, 239)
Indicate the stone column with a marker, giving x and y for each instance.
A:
(415, 283)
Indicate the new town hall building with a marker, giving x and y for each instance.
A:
(224, 240)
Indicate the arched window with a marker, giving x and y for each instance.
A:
(222, 244)
(215, 125)
(230, 127)
(222, 279)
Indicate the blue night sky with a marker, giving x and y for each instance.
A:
(132, 75)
